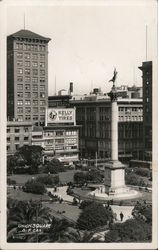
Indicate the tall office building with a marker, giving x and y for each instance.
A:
(146, 69)
(27, 76)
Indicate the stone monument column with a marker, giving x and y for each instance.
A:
(114, 169)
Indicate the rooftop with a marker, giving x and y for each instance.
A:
(28, 34)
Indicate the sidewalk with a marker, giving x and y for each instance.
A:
(126, 210)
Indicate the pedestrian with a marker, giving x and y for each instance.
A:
(121, 216)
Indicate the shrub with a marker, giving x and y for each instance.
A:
(48, 180)
(131, 230)
(133, 179)
(10, 182)
(93, 216)
(34, 187)
(85, 204)
(54, 167)
(143, 210)
(142, 171)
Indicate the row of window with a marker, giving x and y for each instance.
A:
(29, 94)
(33, 47)
(28, 110)
(30, 56)
(17, 130)
(33, 64)
(127, 109)
(17, 138)
(29, 79)
(28, 117)
(130, 118)
(27, 102)
(60, 133)
(28, 71)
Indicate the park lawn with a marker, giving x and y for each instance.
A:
(20, 195)
(63, 176)
(71, 212)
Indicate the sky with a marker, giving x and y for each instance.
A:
(88, 41)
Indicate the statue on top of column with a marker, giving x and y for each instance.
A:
(114, 77)
(113, 92)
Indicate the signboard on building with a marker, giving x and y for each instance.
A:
(62, 115)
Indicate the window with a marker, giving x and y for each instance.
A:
(27, 64)
(19, 63)
(34, 56)
(20, 110)
(34, 79)
(28, 47)
(8, 130)
(42, 48)
(42, 72)
(19, 55)
(17, 146)
(20, 102)
(35, 87)
(42, 56)
(27, 71)
(42, 88)
(35, 94)
(147, 99)
(27, 87)
(35, 72)
(35, 110)
(27, 94)
(27, 55)
(35, 47)
(20, 118)
(17, 130)
(42, 65)
(34, 64)
(16, 138)
(19, 71)
(27, 110)
(19, 94)
(27, 102)
(42, 110)
(8, 148)
(26, 129)
(42, 79)
(26, 138)
(42, 95)
(27, 79)
(19, 46)
(42, 103)
(35, 118)
(27, 117)
(8, 139)
(19, 78)
(35, 102)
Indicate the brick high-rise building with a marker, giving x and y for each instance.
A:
(27, 76)
(146, 69)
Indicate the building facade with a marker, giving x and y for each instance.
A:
(60, 136)
(146, 69)
(27, 76)
(94, 116)
(18, 135)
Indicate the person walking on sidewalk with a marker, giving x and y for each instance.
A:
(121, 216)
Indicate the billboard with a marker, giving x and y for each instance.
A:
(61, 115)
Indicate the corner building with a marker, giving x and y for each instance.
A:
(27, 77)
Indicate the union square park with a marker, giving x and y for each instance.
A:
(91, 200)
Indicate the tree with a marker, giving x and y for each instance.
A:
(34, 186)
(143, 211)
(25, 212)
(32, 156)
(54, 167)
(93, 216)
(90, 176)
(131, 230)
(12, 162)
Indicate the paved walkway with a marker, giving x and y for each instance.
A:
(126, 210)
(61, 192)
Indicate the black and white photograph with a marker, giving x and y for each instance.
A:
(79, 119)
